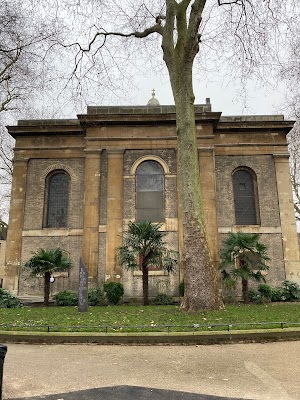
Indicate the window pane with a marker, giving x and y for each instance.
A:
(244, 198)
(150, 192)
(150, 177)
(149, 199)
(58, 199)
(149, 168)
(147, 183)
(152, 215)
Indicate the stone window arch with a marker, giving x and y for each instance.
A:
(150, 190)
(245, 194)
(57, 199)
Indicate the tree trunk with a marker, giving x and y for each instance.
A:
(200, 276)
(145, 286)
(46, 288)
(245, 291)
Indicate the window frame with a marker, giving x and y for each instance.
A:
(48, 179)
(255, 199)
(162, 174)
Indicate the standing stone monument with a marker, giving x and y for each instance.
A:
(82, 288)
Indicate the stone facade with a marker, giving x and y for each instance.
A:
(101, 151)
(2, 260)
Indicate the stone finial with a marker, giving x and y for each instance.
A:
(153, 102)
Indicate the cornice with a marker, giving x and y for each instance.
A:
(91, 120)
(258, 126)
(45, 130)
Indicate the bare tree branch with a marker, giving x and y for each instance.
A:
(294, 148)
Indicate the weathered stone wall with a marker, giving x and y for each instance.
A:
(159, 282)
(108, 142)
(71, 244)
(169, 156)
(103, 188)
(36, 237)
(102, 257)
(276, 275)
(36, 185)
(263, 166)
(2, 258)
(103, 218)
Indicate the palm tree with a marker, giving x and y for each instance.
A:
(143, 246)
(45, 262)
(243, 257)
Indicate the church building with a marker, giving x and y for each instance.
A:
(78, 182)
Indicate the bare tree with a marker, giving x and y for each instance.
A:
(6, 155)
(24, 38)
(294, 149)
(26, 34)
(181, 27)
(290, 74)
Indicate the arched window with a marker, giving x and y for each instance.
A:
(245, 197)
(150, 192)
(57, 200)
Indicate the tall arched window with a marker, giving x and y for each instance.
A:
(245, 197)
(57, 200)
(150, 192)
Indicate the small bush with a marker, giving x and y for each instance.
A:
(255, 297)
(113, 291)
(7, 300)
(291, 290)
(181, 289)
(277, 294)
(265, 291)
(95, 297)
(66, 298)
(163, 300)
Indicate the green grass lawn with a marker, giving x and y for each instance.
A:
(138, 318)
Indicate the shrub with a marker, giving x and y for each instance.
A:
(7, 300)
(66, 298)
(255, 297)
(163, 300)
(113, 291)
(277, 294)
(95, 297)
(265, 291)
(181, 289)
(291, 290)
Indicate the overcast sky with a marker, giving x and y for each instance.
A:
(228, 98)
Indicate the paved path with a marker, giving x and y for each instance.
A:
(242, 371)
(127, 393)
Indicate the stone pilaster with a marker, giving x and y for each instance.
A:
(208, 191)
(15, 225)
(90, 242)
(114, 213)
(287, 217)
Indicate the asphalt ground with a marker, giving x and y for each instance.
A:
(256, 371)
(127, 393)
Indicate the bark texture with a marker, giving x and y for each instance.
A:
(145, 286)
(200, 276)
(46, 288)
(245, 291)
